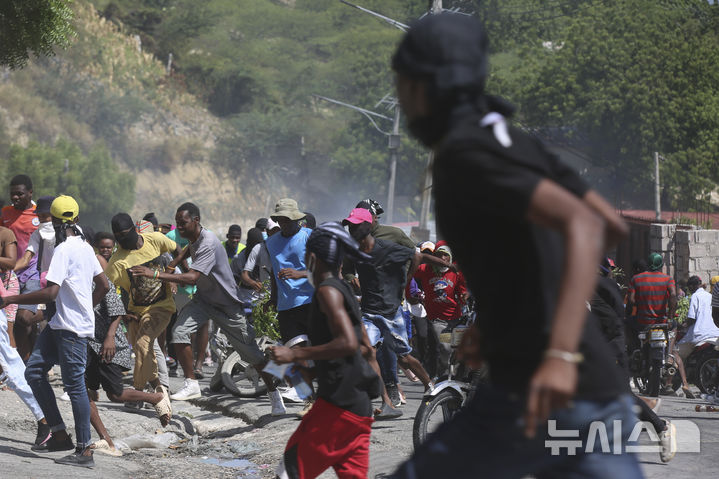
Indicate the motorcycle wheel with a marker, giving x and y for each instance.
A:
(240, 378)
(434, 411)
(655, 377)
(216, 383)
(708, 372)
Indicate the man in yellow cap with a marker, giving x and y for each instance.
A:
(70, 277)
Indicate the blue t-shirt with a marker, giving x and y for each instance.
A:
(290, 253)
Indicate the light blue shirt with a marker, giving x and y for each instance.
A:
(290, 253)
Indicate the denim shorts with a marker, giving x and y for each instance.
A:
(390, 330)
(28, 287)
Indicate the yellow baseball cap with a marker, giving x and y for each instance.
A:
(64, 208)
(714, 280)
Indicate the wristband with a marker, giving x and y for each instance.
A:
(157, 273)
(574, 358)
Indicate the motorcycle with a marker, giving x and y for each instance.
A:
(449, 395)
(652, 363)
(701, 367)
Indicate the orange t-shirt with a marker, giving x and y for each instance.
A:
(22, 223)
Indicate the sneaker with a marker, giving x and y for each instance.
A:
(308, 405)
(65, 396)
(668, 441)
(43, 434)
(387, 412)
(189, 390)
(289, 394)
(208, 362)
(53, 445)
(77, 459)
(393, 393)
(278, 406)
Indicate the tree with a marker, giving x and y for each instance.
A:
(95, 181)
(626, 79)
(33, 27)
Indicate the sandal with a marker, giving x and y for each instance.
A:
(103, 447)
(199, 374)
(688, 393)
(163, 408)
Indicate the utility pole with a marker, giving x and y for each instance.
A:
(427, 190)
(657, 198)
(393, 147)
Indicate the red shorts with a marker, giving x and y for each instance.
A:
(328, 436)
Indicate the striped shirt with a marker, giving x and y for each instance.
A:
(651, 295)
(715, 296)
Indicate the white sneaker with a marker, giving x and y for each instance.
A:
(668, 440)
(289, 394)
(278, 406)
(65, 396)
(189, 390)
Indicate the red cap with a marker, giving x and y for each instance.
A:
(357, 216)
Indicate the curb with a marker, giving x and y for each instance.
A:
(219, 404)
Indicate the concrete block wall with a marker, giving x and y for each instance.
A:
(695, 252)
(662, 238)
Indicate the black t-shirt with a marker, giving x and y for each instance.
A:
(342, 382)
(482, 193)
(608, 307)
(384, 277)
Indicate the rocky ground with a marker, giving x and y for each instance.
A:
(217, 436)
(221, 436)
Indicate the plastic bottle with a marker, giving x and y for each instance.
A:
(706, 408)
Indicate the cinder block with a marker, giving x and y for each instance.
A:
(697, 250)
(713, 249)
(656, 230)
(707, 264)
(682, 237)
(706, 236)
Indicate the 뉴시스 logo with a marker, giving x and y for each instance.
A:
(568, 441)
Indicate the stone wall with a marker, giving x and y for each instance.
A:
(662, 241)
(687, 251)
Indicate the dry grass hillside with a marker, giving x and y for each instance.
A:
(105, 88)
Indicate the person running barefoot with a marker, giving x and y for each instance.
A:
(336, 431)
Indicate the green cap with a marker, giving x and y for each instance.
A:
(655, 262)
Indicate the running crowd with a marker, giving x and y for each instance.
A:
(90, 302)
(553, 346)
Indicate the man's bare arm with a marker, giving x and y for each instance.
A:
(551, 206)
